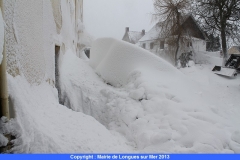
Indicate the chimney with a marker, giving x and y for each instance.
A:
(127, 29)
(143, 32)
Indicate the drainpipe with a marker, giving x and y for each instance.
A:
(4, 107)
(3, 81)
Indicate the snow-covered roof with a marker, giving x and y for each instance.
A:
(153, 34)
(234, 50)
(135, 36)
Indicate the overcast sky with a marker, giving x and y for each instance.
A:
(108, 18)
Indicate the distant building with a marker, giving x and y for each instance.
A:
(132, 36)
(193, 38)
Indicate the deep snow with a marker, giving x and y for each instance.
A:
(42, 125)
(157, 108)
(153, 107)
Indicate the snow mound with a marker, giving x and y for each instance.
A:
(115, 60)
(45, 126)
(164, 111)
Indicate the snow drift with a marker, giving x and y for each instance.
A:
(157, 107)
(115, 60)
(42, 125)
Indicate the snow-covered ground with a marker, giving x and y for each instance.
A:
(143, 104)
(45, 126)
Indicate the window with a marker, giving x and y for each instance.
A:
(57, 84)
(189, 44)
(161, 44)
(151, 45)
(144, 45)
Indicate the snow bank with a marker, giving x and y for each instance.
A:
(115, 60)
(45, 126)
(3, 139)
(99, 51)
(157, 107)
(1, 36)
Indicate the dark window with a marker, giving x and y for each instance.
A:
(151, 45)
(144, 45)
(57, 84)
(87, 52)
(161, 44)
(189, 44)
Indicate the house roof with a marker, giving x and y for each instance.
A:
(135, 36)
(155, 32)
(234, 50)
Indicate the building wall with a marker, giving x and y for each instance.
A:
(154, 49)
(33, 28)
(168, 52)
(197, 45)
(10, 38)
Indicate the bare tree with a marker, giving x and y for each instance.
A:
(220, 16)
(169, 14)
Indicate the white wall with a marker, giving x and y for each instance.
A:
(199, 45)
(147, 43)
(32, 34)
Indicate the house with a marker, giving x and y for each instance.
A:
(132, 36)
(37, 34)
(193, 38)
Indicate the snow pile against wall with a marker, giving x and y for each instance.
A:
(81, 87)
(115, 60)
(73, 100)
(1, 36)
(45, 126)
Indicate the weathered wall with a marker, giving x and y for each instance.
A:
(33, 28)
(10, 38)
(56, 6)
(28, 27)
